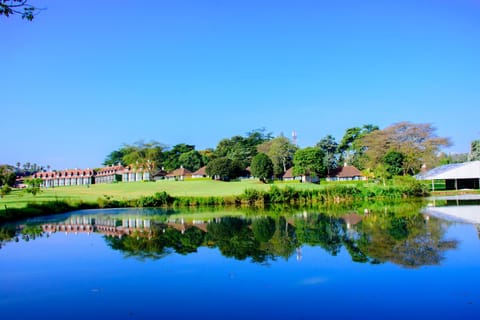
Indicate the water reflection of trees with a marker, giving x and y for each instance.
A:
(405, 239)
(158, 242)
(410, 241)
(26, 233)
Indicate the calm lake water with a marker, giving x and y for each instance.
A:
(395, 262)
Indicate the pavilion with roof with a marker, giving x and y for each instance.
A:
(457, 176)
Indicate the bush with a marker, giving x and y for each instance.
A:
(158, 199)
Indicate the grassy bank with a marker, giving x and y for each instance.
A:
(135, 190)
(196, 194)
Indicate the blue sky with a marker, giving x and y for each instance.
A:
(87, 76)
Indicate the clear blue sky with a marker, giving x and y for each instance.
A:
(87, 76)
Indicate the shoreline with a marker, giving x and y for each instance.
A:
(334, 195)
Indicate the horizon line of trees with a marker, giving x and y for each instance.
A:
(399, 149)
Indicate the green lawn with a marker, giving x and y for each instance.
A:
(133, 190)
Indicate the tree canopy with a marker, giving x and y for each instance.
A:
(172, 156)
(224, 168)
(309, 161)
(242, 149)
(330, 148)
(140, 155)
(281, 151)
(417, 143)
(262, 167)
(7, 176)
(350, 148)
(191, 160)
(399, 149)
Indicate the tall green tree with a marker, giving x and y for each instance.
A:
(281, 150)
(191, 160)
(224, 168)
(416, 141)
(172, 156)
(116, 157)
(309, 162)
(207, 155)
(144, 155)
(242, 149)
(330, 148)
(262, 167)
(350, 147)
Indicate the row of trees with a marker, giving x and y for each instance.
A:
(228, 159)
(400, 149)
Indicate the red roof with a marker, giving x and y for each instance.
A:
(288, 173)
(180, 172)
(106, 171)
(345, 172)
(352, 218)
(201, 172)
(70, 173)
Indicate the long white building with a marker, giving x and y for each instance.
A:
(457, 176)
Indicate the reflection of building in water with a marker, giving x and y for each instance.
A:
(116, 227)
(351, 219)
(467, 213)
(182, 226)
(72, 225)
